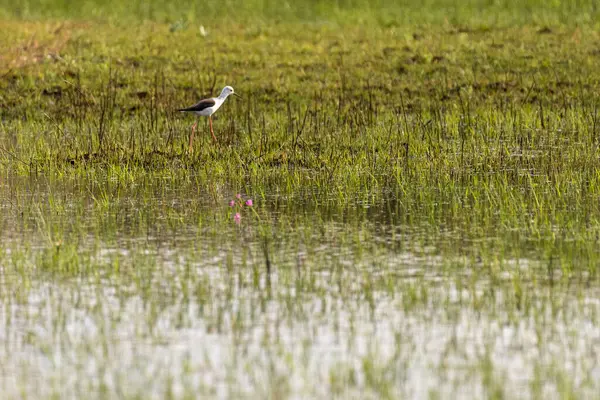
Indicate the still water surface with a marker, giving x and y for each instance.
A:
(152, 290)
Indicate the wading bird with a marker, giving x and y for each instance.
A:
(206, 108)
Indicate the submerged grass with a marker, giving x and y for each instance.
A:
(425, 188)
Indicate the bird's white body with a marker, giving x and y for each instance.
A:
(207, 112)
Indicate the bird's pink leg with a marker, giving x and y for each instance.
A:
(192, 136)
(211, 128)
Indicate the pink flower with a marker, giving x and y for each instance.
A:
(231, 203)
(238, 196)
(237, 218)
(249, 202)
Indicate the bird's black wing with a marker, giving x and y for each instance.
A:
(201, 105)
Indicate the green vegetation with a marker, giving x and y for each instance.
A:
(425, 181)
(385, 12)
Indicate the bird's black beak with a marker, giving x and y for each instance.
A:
(237, 95)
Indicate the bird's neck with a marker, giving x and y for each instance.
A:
(223, 96)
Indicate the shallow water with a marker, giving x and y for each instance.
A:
(152, 290)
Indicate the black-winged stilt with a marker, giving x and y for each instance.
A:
(206, 108)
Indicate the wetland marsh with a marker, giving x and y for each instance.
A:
(425, 186)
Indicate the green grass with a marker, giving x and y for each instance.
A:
(425, 179)
(384, 12)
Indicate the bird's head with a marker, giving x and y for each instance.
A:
(227, 90)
